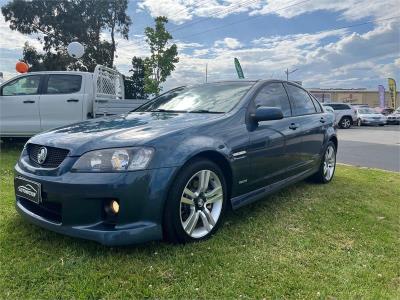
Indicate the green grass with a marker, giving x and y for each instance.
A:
(339, 240)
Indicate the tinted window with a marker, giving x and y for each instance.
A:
(274, 95)
(64, 84)
(213, 97)
(302, 103)
(28, 85)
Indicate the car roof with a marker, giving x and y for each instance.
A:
(56, 72)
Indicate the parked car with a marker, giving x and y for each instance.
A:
(175, 165)
(394, 118)
(368, 116)
(38, 101)
(345, 114)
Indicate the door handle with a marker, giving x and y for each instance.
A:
(29, 101)
(322, 120)
(293, 126)
(72, 100)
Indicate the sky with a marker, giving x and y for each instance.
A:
(332, 44)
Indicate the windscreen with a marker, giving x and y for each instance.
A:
(366, 111)
(207, 98)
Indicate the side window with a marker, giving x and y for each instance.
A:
(301, 101)
(274, 95)
(64, 84)
(28, 85)
(316, 104)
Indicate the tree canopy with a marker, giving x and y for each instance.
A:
(163, 58)
(57, 23)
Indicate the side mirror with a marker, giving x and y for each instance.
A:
(265, 113)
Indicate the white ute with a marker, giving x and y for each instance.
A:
(38, 101)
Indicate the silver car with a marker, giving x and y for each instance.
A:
(345, 114)
(368, 116)
(394, 118)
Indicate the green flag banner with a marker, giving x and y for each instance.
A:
(238, 68)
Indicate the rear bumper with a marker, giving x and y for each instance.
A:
(74, 204)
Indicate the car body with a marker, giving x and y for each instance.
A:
(345, 114)
(238, 154)
(368, 116)
(394, 118)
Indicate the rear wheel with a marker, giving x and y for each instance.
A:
(345, 122)
(328, 165)
(196, 203)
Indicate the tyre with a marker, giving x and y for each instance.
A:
(381, 124)
(196, 203)
(345, 122)
(328, 165)
(359, 123)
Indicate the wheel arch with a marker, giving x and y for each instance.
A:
(216, 157)
(334, 140)
(221, 161)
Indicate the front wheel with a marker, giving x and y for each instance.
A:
(345, 122)
(328, 165)
(196, 202)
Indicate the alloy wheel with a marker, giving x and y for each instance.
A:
(329, 163)
(201, 203)
(346, 123)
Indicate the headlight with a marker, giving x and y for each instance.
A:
(114, 160)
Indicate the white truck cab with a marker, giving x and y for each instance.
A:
(38, 101)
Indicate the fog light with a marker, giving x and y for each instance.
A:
(114, 206)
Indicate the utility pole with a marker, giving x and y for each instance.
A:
(206, 71)
(287, 73)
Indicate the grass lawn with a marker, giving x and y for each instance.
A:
(339, 240)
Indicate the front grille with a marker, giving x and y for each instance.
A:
(55, 156)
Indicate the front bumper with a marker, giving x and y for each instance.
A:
(373, 122)
(73, 204)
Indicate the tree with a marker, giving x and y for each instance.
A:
(162, 60)
(135, 84)
(57, 23)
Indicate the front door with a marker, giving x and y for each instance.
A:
(274, 145)
(62, 100)
(19, 107)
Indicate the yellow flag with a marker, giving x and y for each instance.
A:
(393, 92)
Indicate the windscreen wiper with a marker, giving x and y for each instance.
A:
(168, 110)
(205, 111)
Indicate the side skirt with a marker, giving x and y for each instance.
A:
(258, 194)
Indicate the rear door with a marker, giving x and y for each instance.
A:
(274, 145)
(62, 100)
(313, 124)
(19, 106)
